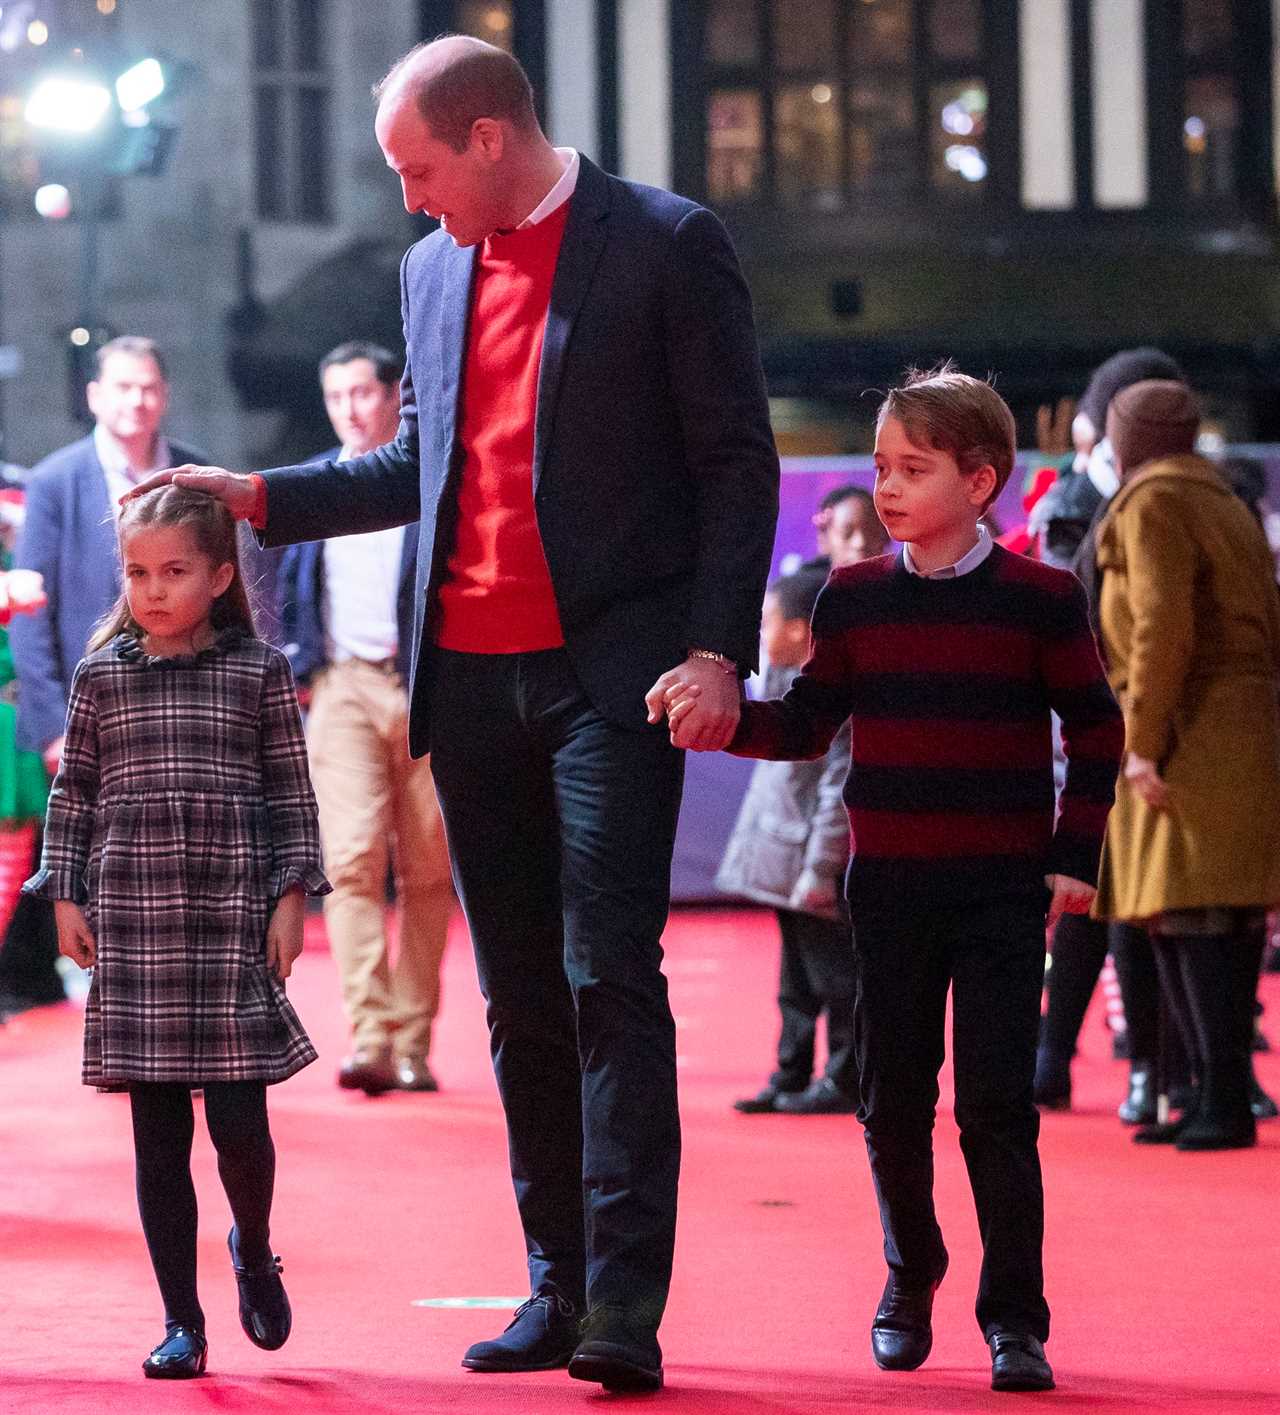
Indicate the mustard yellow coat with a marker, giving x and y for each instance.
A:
(1191, 630)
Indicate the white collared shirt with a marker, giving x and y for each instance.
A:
(121, 477)
(361, 586)
(968, 562)
(560, 193)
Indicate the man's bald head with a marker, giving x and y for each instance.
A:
(454, 80)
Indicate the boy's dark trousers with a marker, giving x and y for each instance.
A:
(816, 974)
(990, 952)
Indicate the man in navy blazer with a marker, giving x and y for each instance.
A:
(584, 435)
(69, 534)
(347, 613)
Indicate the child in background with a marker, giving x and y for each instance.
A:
(854, 532)
(789, 849)
(180, 839)
(948, 658)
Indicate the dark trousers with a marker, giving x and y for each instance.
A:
(990, 954)
(1210, 983)
(816, 976)
(163, 1127)
(561, 827)
(1080, 947)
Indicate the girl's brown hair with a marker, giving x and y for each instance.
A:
(214, 533)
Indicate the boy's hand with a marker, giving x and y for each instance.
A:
(75, 937)
(700, 726)
(284, 934)
(1146, 782)
(1070, 896)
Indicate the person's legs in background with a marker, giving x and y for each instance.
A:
(825, 950)
(800, 1008)
(1078, 953)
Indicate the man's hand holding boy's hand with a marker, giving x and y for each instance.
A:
(1070, 896)
(702, 702)
(75, 937)
(284, 933)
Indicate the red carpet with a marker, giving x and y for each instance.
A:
(1162, 1267)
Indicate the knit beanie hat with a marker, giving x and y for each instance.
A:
(1155, 418)
(1127, 367)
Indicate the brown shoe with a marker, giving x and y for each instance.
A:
(368, 1069)
(413, 1074)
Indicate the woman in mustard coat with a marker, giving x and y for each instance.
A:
(1191, 631)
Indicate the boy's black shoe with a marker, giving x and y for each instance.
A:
(180, 1356)
(265, 1313)
(613, 1353)
(1017, 1362)
(763, 1102)
(540, 1337)
(820, 1097)
(902, 1332)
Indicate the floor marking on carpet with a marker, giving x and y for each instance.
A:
(467, 1301)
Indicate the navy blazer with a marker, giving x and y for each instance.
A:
(655, 476)
(69, 536)
(301, 586)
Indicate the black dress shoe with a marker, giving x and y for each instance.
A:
(821, 1097)
(265, 1313)
(613, 1353)
(902, 1332)
(540, 1337)
(1017, 1362)
(180, 1356)
(763, 1102)
(1210, 1132)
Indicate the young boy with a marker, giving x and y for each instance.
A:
(854, 532)
(948, 657)
(789, 849)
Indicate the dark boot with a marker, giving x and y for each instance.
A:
(1139, 1106)
(1053, 1080)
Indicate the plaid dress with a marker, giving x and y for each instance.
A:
(181, 813)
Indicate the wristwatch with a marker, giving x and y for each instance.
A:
(727, 664)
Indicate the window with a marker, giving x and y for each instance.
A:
(815, 103)
(291, 110)
(1210, 101)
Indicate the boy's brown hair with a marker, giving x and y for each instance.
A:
(955, 413)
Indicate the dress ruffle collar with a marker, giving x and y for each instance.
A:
(128, 649)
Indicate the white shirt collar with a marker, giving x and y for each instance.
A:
(968, 562)
(114, 462)
(560, 193)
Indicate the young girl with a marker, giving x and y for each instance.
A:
(181, 837)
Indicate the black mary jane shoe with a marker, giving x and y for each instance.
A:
(181, 1356)
(265, 1313)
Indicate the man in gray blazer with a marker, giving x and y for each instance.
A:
(584, 438)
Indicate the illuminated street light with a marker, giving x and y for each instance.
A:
(140, 85)
(68, 105)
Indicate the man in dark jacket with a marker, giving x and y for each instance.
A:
(585, 438)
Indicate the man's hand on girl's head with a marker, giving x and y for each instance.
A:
(238, 492)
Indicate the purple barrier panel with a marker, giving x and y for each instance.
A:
(715, 783)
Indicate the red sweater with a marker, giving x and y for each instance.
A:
(949, 684)
(497, 595)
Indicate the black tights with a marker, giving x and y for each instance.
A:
(163, 1126)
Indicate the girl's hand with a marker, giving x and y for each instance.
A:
(284, 934)
(75, 937)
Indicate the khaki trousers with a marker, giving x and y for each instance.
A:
(377, 806)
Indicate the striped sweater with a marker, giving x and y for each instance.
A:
(949, 684)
